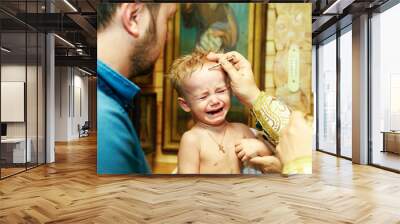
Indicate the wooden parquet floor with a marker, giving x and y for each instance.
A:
(69, 191)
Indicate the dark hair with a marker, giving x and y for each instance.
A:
(105, 12)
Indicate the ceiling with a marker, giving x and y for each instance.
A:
(72, 20)
(332, 15)
(75, 22)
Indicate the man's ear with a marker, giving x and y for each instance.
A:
(183, 104)
(132, 17)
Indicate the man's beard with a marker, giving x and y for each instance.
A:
(141, 59)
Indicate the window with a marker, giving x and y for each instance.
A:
(327, 96)
(385, 89)
(314, 87)
(346, 92)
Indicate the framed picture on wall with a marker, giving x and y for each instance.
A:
(148, 121)
(144, 80)
(212, 27)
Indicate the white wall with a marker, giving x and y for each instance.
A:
(62, 80)
(80, 102)
(15, 72)
(70, 83)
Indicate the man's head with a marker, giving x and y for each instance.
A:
(205, 93)
(139, 28)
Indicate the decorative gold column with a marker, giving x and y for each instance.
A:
(288, 55)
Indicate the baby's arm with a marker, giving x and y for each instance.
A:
(188, 155)
(250, 147)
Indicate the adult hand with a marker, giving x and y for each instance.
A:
(241, 76)
(295, 140)
(267, 164)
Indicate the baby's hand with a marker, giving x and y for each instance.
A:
(248, 148)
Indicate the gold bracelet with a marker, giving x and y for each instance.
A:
(302, 165)
(272, 114)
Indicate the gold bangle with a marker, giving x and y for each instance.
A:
(272, 114)
(302, 165)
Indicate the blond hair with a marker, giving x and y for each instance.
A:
(185, 66)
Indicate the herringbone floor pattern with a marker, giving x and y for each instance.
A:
(69, 191)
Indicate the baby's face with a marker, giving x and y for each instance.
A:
(207, 95)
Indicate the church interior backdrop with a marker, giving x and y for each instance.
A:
(275, 38)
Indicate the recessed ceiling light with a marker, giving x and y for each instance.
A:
(64, 40)
(84, 71)
(5, 50)
(70, 5)
(337, 7)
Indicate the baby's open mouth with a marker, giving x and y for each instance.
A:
(215, 111)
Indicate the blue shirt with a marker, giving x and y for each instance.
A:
(118, 146)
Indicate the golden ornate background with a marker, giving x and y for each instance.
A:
(289, 25)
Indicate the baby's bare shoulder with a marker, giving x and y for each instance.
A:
(239, 126)
(242, 128)
(190, 136)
